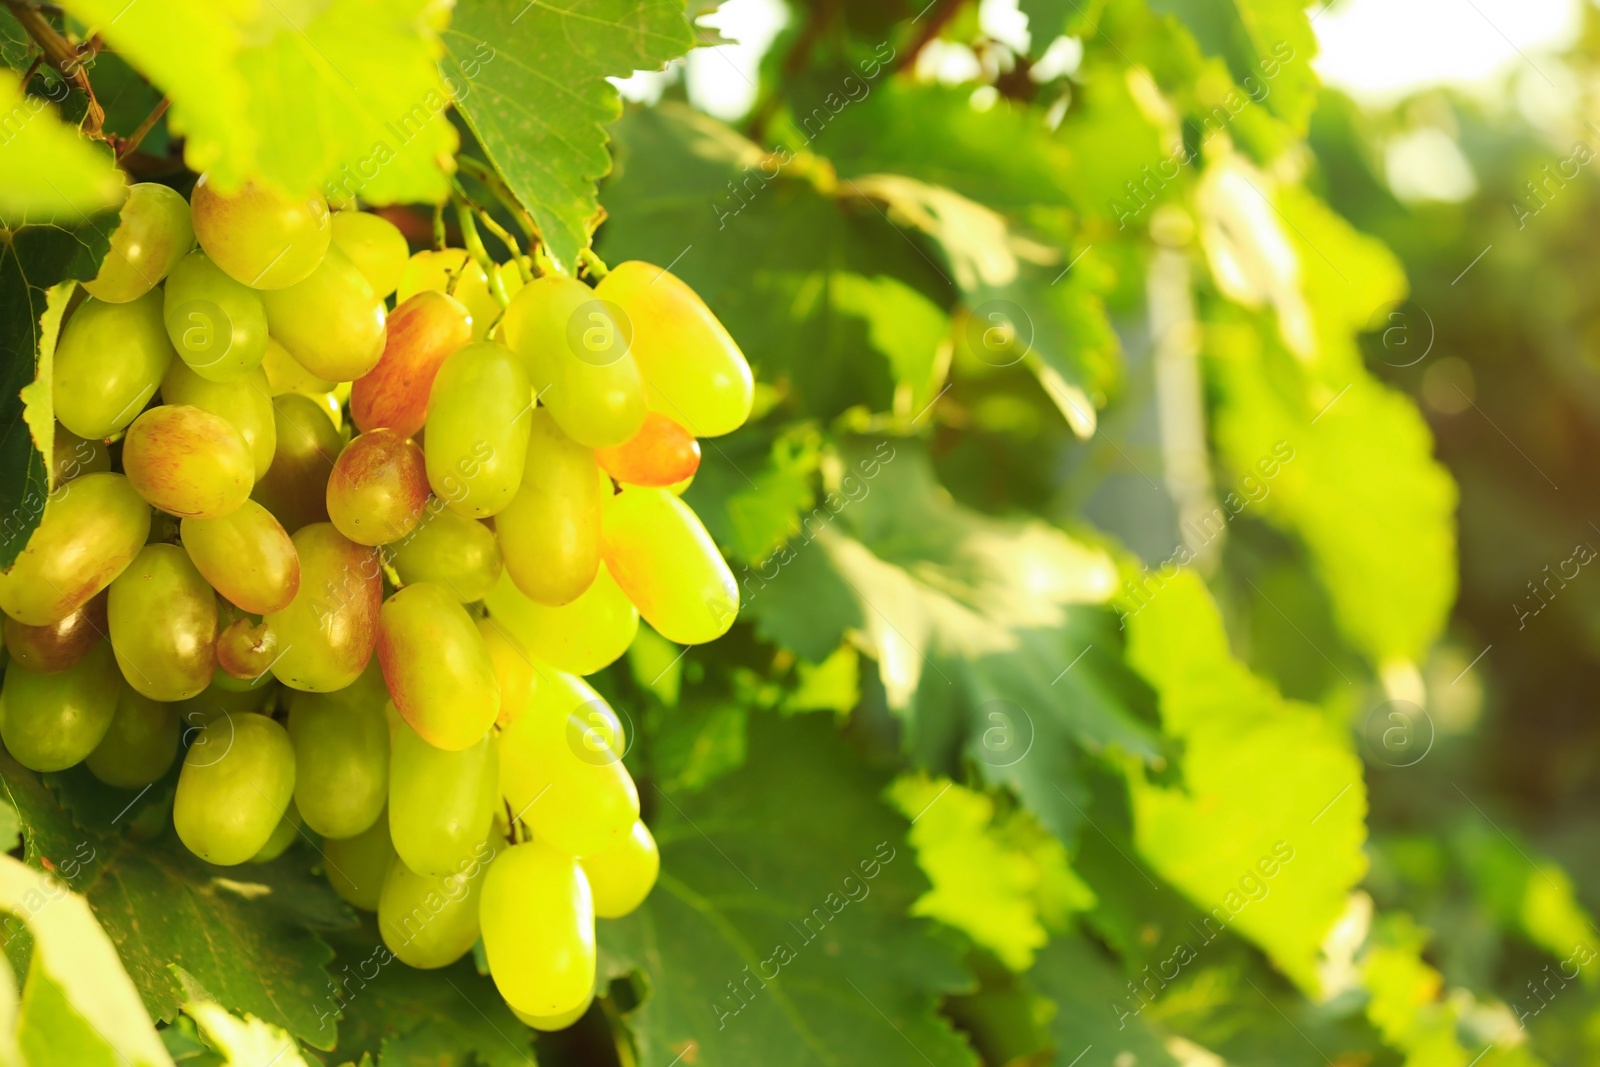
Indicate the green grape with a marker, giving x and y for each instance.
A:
(73, 456)
(422, 333)
(559, 1021)
(514, 671)
(477, 436)
(295, 487)
(440, 803)
(188, 462)
(217, 326)
(537, 922)
(90, 531)
(246, 556)
(693, 369)
(430, 920)
(331, 323)
(246, 402)
(379, 488)
(452, 271)
(449, 550)
(438, 672)
(582, 637)
(163, 622)
(140, 744)
(153, 233)
(549, 534)
(357, 866)
(561, 768)
(110, 359)
(375, 245)
(283, 836)
(577, 352)
(50, 722)
(622, 876)
(60, 644)
(284, 375)
(668, 565)
(235, 787)
(341, 753)
(327, 634)
(259, 236)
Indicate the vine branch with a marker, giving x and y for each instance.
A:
(65, 58)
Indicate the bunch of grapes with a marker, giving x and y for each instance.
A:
(353, 561)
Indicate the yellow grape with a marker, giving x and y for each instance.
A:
(449, 550)
(234, 789)
(549, 534)
(327, 633)
(60, 644)
(109, 361)
(246, 402)
(582, 637)
(341, 756)
(622, 876)
(559, 1021)
(438, 672)
(477, 436)
(431, 921)
(295, 487)
(437, 270)
(357, 866)
(163, 622)
(537, 923)
(561, 768)
(378, 490)
(246, 556)
(73, 456)
(375, 245)
(152, 234)
(282, 837)
(140, 744)
(332, 323)
(259, 236)
(50, 722)
(692, 367)
(90, 531)
(662, 557)
(578, 356)
(514, 672)
(441, 804)
(217, 326)
(284, 375)
(188, 462)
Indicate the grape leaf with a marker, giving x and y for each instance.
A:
(1259, 39)
(347, 95)
(47, 171)
(540, 112)
(988, 634)
(778, 931)
(34, 261)
(247, 936)
(999, 878)
(1087, 991)
(1268, 846)
(411, 1018)
(768, 258)
(78, 1005)
(243, 1042)
(1049, 19)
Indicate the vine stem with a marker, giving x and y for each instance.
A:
(480, 254)
(132, 141)
(62, 56)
